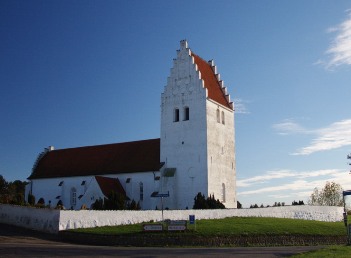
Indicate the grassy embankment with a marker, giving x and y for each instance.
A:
(238, 226)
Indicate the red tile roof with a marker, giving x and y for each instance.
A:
(211, 82)
(127, 157)
(107, 185)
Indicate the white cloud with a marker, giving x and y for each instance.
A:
(296, 185)
(285, 173)
(240, 106)
(288, 126)
(303, 184)
(335, 136)
(340, 50)
(288, 185)
(264, 178)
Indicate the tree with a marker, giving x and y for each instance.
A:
(133, 205)
(31, 199)
(210, 203)
(98, 204)
(4, 190)
(330, 195)
(16, 191)
(115, 201)
(12, 192)
(200, 202)
(297, 203)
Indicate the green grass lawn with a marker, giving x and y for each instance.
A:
(331, 251)
(238, 226)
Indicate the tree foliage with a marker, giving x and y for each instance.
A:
(115, 201)
(12, 192)
(98, 204)
(297, 203)
(200, 202)
(330, 195)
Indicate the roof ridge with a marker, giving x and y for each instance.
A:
(107, 144)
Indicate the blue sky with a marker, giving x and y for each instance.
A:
(78, 73)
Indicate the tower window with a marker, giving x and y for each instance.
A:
(186, 113)
(218, 118)
(223, 192)
(223, 120)
(176, 115)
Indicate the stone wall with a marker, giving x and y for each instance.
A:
(148, 240)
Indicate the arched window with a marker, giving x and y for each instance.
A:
(176, 115)
(223, 192)
(73, 196)
(141, 187)
(223, 120)
(186, 113)
(218, 118)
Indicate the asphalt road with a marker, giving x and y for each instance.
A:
(19, 242)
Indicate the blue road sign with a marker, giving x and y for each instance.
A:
(191, 219)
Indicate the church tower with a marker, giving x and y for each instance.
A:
(197, 134)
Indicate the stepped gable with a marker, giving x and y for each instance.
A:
(127, 157)
(213, 84)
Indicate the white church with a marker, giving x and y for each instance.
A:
(195, 152)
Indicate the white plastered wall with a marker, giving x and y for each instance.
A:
(183, 143)
(50, 189)
(221, 154)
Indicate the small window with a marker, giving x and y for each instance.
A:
(60, 184)
(128, 180)
(223, 192)
(83, 183)
(218, 118)
(223, 120)
(141, 187)
(186, 113)
(176, 115)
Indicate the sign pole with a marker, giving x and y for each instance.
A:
(162, 208)
(161, 195)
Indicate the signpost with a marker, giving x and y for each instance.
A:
(162, 195)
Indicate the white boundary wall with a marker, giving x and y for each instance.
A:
(28, 217)
(50, 220)
(91, 218)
